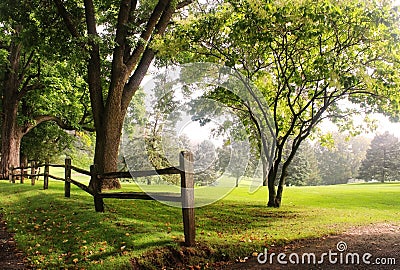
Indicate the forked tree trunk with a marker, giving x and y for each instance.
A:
(275, 197)
(129, 66)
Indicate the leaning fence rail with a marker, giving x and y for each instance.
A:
(185, 170)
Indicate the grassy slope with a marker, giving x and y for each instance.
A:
(59, 232)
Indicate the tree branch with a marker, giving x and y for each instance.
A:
(121, 49)
(157, 13)
(27, 87)
(94, 66)
(67, 17)
(147, 57)
(46, 118)
(183, 4)
(26, 65)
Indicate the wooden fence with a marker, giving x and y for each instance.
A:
(186, 197)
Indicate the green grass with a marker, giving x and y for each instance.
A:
(57, 232)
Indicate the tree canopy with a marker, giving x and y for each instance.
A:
(304, 56)
(340, 161)
(37, 84)
(304, 169)
(116, 37)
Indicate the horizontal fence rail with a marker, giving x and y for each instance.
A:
(171, 170)
(79, 170)
(159, 196)
(185, 170)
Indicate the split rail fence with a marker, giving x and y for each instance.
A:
(186, 197)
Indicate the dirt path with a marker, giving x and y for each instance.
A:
(381, 241)
(10, 257)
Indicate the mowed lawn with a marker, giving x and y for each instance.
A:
(57, 232)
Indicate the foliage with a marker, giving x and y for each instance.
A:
(382, 160)
(115, 37)
(340, 161)
(205, 163)
(231, 157)
(37, 84)
(303, 56)
(304, 170)
(62, 99)
(45, 142)
(82, 150)
(58, 232)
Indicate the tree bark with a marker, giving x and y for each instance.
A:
(278, 197)
(272, 176)
(11, 134)
(275, 195)
(107, 146)
(11, 138)
(271, 187)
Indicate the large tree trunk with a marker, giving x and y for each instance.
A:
(11, 134)
(107, 148)
(10, 140)
(15, 85)
(10, 154)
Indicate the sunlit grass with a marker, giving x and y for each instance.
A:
(57, 232)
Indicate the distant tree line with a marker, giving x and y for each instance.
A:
(337, 159)
(346, 159)
(382, 160)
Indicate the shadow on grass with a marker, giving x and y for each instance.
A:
(58, 232)
(67, 232)
(230, 215)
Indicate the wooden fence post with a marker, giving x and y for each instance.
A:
(98, 200)
(187, 194)
(46, 176)
(22, 173)
(11, 174)
(67, 181)
(33, 171)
